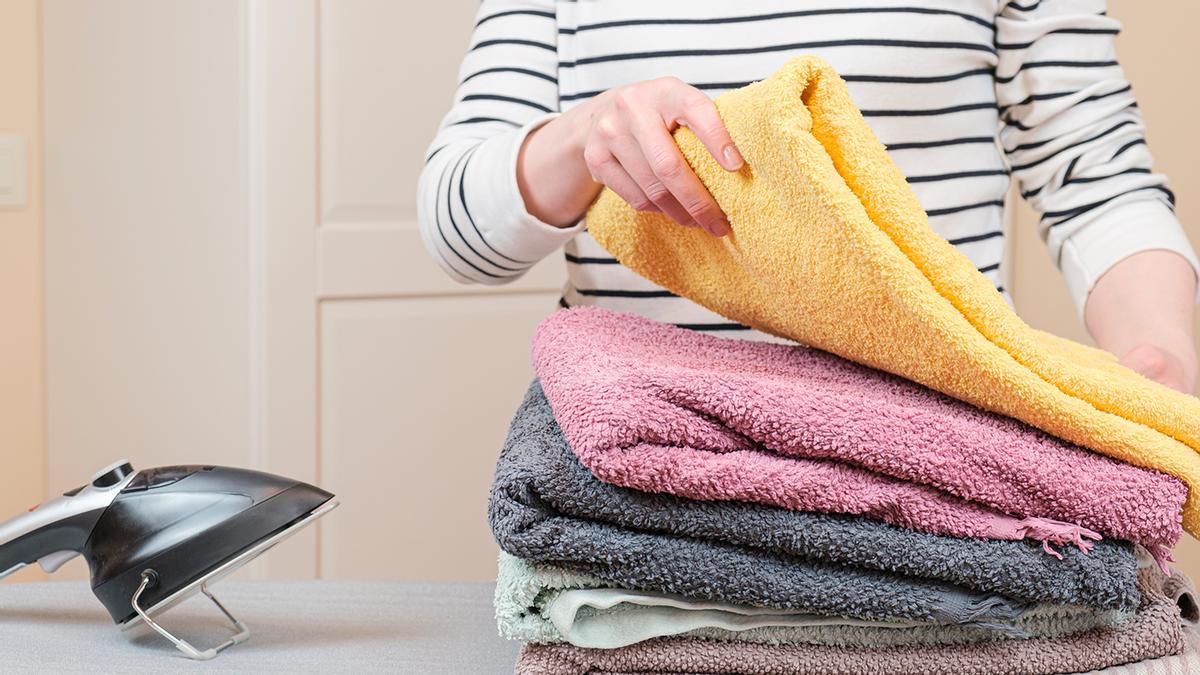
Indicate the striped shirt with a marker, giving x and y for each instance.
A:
(965, 94)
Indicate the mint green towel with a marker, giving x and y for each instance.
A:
(546, 604)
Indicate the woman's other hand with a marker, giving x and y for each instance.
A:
(622, 139)
(1164, 367)
(1143, 310)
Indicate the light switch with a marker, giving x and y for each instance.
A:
(14, 171)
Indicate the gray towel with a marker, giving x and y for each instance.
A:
(546, 507)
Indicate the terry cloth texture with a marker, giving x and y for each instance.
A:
(1155, 631)
(664, 409)
(648, 561)
(547, 507)
(544, 604)
(1184, 663)
(1179, 588)
(830, 248)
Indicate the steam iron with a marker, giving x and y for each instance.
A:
(154, 538)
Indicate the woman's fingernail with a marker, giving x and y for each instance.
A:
(733, 158)
(723, 228)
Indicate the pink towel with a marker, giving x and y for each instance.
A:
(662, 409)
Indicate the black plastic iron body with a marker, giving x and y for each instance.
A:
(184, 522)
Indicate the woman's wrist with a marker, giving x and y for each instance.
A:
(551, 173)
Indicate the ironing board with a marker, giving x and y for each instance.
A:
(297, 627)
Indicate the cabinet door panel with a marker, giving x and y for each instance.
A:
(416, 397)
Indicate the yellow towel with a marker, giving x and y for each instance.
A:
(831, 248)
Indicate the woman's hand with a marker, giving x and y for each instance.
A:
(1163, 367)
(1143, 310)
(628, 147)
(622, 139)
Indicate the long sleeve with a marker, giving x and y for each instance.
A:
(472, 217)
(1075, 140)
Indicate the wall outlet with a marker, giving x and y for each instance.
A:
(14, 171)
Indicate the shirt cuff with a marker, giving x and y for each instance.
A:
(1129, 228)
(497, 206)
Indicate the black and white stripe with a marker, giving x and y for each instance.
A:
(966, 95)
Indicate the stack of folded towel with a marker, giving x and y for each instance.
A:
(669, 501)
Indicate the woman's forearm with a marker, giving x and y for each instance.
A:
(1143, 310)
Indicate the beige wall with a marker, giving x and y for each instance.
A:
(22, 441)
(1159, 52)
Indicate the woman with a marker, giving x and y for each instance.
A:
(559, 99)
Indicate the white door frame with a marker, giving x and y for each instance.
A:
(279, 173)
